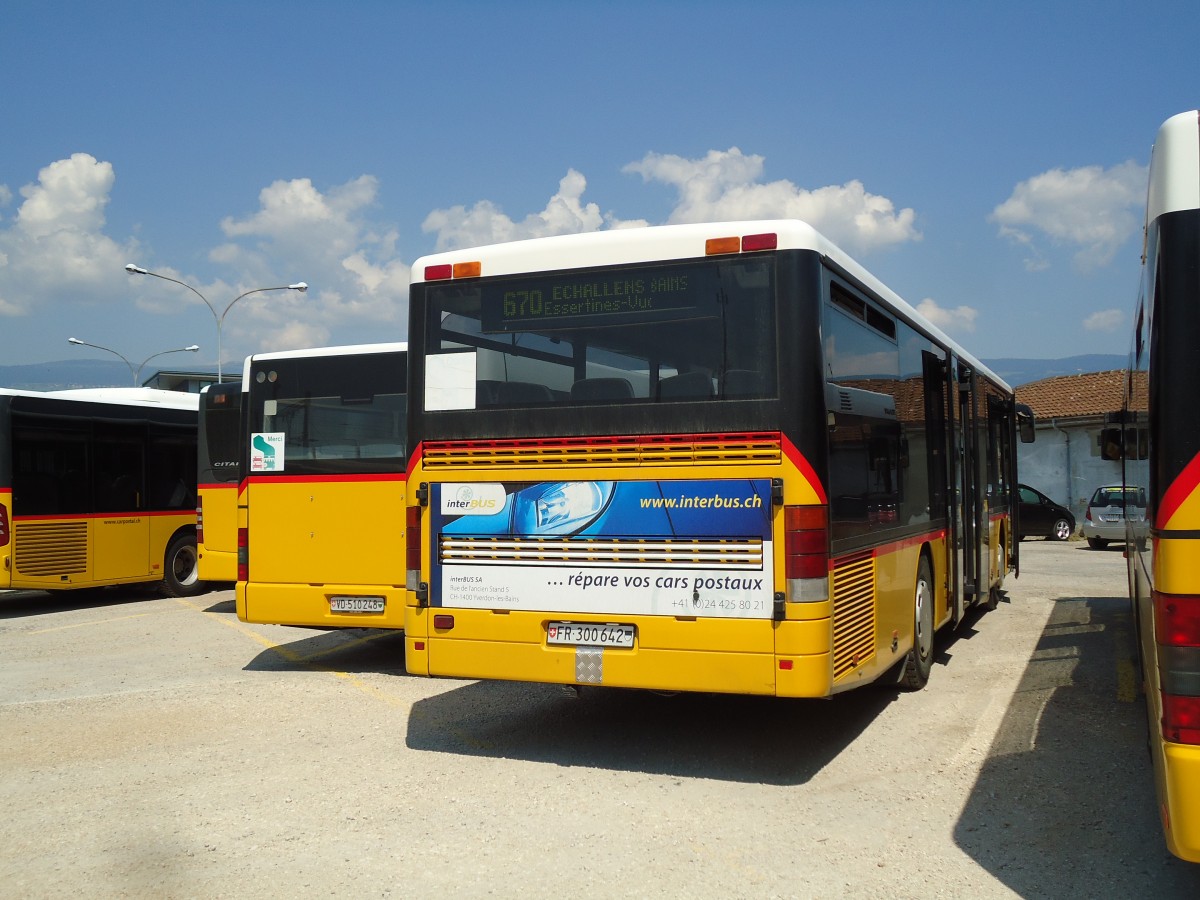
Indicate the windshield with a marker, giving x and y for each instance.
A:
(666, 333)
(1118, 496)
(220, 434)
(328, 414)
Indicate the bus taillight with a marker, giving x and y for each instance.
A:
(412, 547)
(243, 554)
(806, 536)
(3, 526)
(199, 520)
(1181, 719)
(1177, 633)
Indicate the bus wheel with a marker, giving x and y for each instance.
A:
(180, 576)
(919, 661)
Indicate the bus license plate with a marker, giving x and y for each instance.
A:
(588, 634)
(357, 604)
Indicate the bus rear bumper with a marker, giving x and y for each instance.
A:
(737, 672)
(311, 605)
(216, 565)
(1181, 818)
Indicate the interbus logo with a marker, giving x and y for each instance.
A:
(472, 499)
(714, 502)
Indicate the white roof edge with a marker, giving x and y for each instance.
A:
(122, 396)
(1175, 166)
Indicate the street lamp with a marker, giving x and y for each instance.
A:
(220, 319)
(136, 373)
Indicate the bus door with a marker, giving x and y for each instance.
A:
(969, 485)
(120, 528)
(941, 458)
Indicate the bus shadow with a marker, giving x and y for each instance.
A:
(1064, 805)
(715, 736)
(21, 603)
(733, 738)
(223, 606)
(350, 650)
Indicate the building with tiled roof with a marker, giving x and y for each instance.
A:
(1065, 461)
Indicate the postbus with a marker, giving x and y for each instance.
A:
(321, 505)
(220, 439)
(715, 457)
(98, 487)
(1161, 450)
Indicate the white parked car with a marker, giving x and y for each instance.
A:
(1111, 506)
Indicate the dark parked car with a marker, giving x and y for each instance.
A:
(1040, 516)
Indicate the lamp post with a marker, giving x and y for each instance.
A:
(135, 372)
(219, 319)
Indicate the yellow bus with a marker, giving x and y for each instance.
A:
(1161, 450)
(715, 457)
(217, 447)
(98, 487)
(322, 501)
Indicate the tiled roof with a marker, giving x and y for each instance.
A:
(1086, 394)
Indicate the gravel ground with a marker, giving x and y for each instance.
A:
(161, 748)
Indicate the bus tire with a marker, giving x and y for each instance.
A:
(919, 661)
(180, 571)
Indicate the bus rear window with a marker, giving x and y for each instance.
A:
(667, 333)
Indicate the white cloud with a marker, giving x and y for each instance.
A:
(485, 223)
(724, 186)
(54, 250)
(1091, 208)
(1105, 320)
(721, 186)
(958, 320)
(324, 238)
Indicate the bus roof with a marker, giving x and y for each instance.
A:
(320, 353)
(130, 396)
(626, 246)
(1175, 166)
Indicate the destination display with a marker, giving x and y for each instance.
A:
(575, 300)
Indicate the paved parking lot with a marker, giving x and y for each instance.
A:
(156, 747)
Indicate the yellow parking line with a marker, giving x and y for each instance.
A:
(91, 624)
(1127, 675)
(297, 659)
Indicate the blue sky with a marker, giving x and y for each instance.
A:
(986, 161)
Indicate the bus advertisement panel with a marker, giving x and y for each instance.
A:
(705, 547)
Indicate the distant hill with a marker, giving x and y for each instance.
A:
(81, 373)
(67, 373)
(1022, 371)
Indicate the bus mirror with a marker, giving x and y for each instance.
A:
(1025, 423)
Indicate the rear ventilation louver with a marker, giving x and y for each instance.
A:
(634, 450)
(853, 613)
(625, 552)
(51, 548)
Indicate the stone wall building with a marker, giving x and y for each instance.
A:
(1066, 461)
